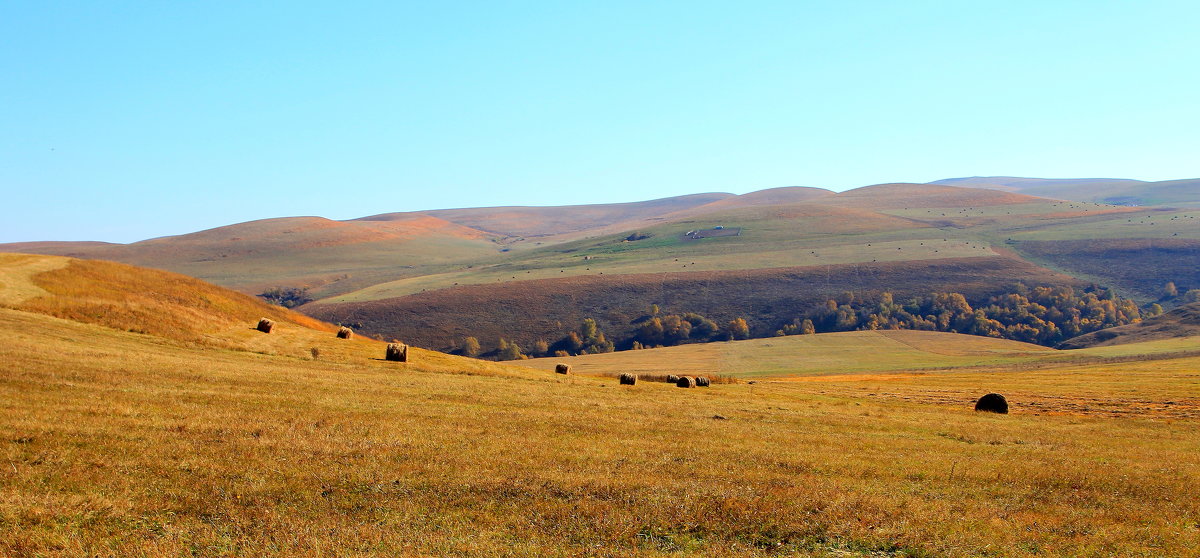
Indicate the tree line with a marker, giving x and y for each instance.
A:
(1045, 315)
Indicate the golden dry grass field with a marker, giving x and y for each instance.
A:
(118, 443)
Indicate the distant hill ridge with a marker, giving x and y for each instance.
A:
(1120, 191)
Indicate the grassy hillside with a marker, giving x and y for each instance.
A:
(163, 307)
(119, 443)
(812, 355)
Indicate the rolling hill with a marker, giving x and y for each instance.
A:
(172, 310)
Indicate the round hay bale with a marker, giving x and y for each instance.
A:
(671, 379)
(345, 333)
(265, 325)
(686, 382)
(702, 381)
(992, 403)
(562, 368)
(397, 352)
(628, 379)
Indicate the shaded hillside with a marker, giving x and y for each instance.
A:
(1139, 266)
(1180, 322)
(526, 311)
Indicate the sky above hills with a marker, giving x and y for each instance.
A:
(129, 121)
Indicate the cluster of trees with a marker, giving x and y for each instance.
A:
(1043, 315)
(287, 297)
(1176, 295)
(654, 331)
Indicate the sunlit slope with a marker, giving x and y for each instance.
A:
(852, 352)
(178, 308)
(858, 355)
(136, 299)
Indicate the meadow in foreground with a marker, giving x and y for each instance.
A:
(121, 445)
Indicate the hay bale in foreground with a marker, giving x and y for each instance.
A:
(992, 403)
(562, 368)
(702, 381)
(672, 379)
(265, 325)
(397, 352)
(345, 333)
(628, 379)
(686, 382)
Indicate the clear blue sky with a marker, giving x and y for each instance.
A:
(121, 121)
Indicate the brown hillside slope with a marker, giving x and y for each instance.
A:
(1180, 322)
(893, 196)
(526, 311)
(770, 196)
(549, 221)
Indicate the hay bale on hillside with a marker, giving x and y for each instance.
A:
(397, 352)
(345, 333)
(671, 378)
(265, 325)
(992, 403)
(562, 368)
(686, 382)
(628, 379)
(702, 381)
